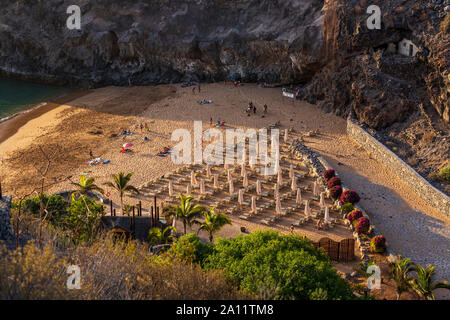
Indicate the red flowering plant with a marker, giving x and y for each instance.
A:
(349, 196)
(378, 244)
(335, 192)
(354, 215)
(328, 174)
(361, 225)
(335, 181)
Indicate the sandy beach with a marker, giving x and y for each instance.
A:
(93, 121)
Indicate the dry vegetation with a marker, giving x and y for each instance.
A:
(109, 270)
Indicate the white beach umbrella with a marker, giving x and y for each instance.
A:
(229, 175)
(307, 209)
(245, 180)
(170, 188)
(327, 214)
(202, 186)
(231, 187)
(188, 190)
(291, 171)
(258, 187)
(294, 183)
(241, 196)
(298, 200)
(322, 199)
(285, 135)
(278, 205)
(208, 171)
(244, 157)
(216, 180)
(253, 204)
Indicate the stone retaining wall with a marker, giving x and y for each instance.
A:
(397, 166)
(318, 165)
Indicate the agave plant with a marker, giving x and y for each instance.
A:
(158, 236)
(186, 211)
(121, 184)
(213, 223)
(400, 271)
(424, 284)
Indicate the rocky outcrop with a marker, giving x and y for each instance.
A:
(325, 43)
(163, 41)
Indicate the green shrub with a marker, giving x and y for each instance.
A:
(277, 266)
(81, 222)
(444, 174)
(378, 244)
(190, 248)
(54, 204)
(347, 208)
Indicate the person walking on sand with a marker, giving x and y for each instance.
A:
(91, 154)
(254, 109)
(193, 90)
(199, 88)
(265, 109)
(210, 121)
(142, 127)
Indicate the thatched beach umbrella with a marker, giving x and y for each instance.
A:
(316, 189)
(280, 177)
(322, 199)
(254, 204)
(245, 180)
(258, 187)
(202, 186)
(193, 180)
(188, 190)
(216, 180)
(298, 200)
(294, 183)
(278, 205)
(170, 188)
(241, 196)
(307, 209)
(231, 187)
(327, 214)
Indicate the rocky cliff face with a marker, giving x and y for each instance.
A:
(323, 43)
(162, 41)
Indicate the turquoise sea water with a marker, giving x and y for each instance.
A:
(16, 95)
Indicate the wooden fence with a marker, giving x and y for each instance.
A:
(342, 251)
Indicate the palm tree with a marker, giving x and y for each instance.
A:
(424, 285)
(186, 211)
(213, 222)
(121, 185)
(157, 236)
(86, 185)
(400, 274)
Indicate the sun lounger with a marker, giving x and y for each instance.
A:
(266, 222)
(243, 217)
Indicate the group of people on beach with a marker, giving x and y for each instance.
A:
(251, 107)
